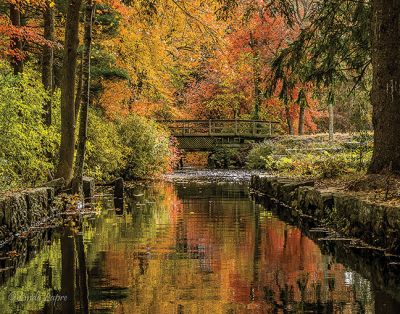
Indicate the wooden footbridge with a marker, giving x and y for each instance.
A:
(205, 135)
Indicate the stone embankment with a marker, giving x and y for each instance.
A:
(23, 209)
(376, 225)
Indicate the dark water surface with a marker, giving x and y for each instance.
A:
(188, 247)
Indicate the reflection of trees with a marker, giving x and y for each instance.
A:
(181, 237)
(83, 282)
(216, 255)
(68, 267)
(256, 250)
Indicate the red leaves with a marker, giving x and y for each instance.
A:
(28, 3)
(27, 34)
(228, 81)
(24, 33)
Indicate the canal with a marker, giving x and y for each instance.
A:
(189, 244)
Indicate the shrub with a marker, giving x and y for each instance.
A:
(258, 157)
(148, 149)
(27, 147)
(106, 153)
(306, 158)
(221, 158)
(332, 166)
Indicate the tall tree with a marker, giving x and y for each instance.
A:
(16, 41)
(67, 146)
(48, 58)
(385, 95)
(80, 155)
(256, 76)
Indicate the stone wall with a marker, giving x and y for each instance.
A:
(376, 225)
(24, 209)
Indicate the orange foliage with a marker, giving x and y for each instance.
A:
(115, 99)
(226, 86)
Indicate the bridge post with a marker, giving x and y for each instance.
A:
(209, 127)
(270, 128)
(254, 128)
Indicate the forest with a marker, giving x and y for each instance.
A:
(179, 156)
(83, 83)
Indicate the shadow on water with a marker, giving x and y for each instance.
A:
(191, 247)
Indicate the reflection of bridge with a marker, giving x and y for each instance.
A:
(223, 191)
(204, 135)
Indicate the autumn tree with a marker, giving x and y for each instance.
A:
(48, 58)
(83, 118)
(67, 145)
(16, 41)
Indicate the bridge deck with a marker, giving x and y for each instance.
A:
(246, 128)
(204, 135)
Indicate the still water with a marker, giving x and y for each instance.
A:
(186, 247)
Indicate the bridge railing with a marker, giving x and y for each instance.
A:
(249, 128)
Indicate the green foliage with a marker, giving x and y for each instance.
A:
(258, 155)
(134, 147)
(106, 154)
(226, 158)
(332, 166)
(312, 157)
(271, 163)
(103, 66)
(221, 158)
(131, 147)
(26, 145)
(313, 57)
(107, 19)
(148, 147)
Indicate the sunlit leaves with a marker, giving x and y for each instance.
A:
(25, 144)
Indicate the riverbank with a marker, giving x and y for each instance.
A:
(22, 210)
(353, 217)
(313, 156)
(26, 209)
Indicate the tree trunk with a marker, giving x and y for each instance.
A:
(16, 42)
(256, 77)
(289, 121)
(78, 96)
(331, 120)
(385, 95)
(301, 119)
(67, 146)
(80, 156)
(48, 60)
(257, 89)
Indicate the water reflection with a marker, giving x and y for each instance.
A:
(190, 248)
